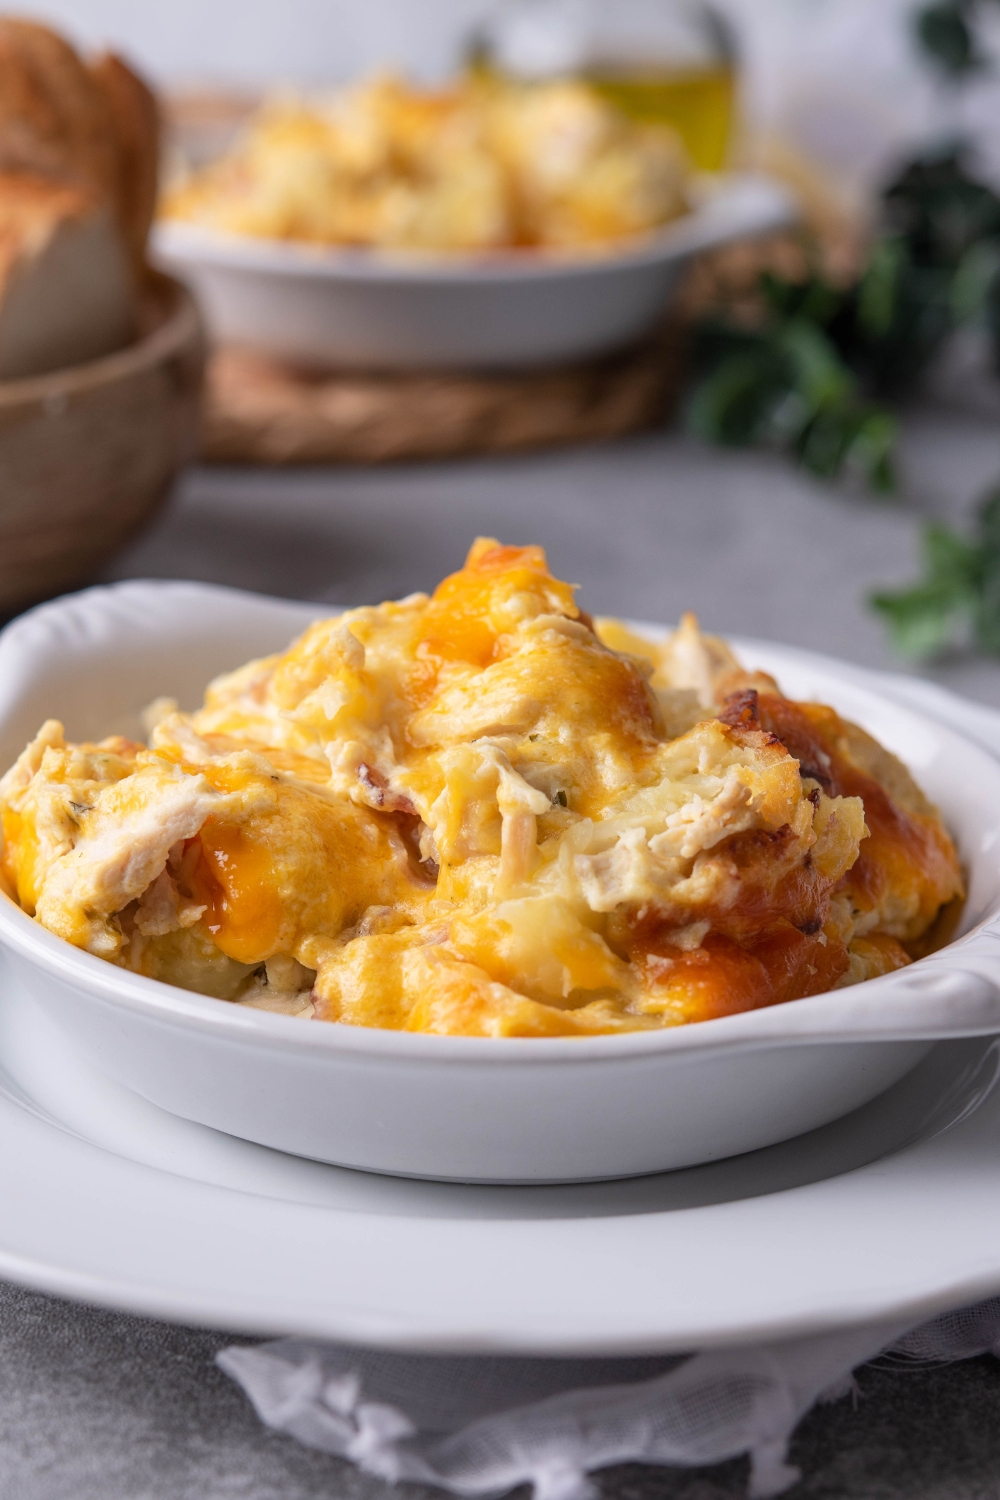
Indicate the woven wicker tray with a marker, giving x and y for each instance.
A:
(258, 411)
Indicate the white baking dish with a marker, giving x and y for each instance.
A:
(517, 1110)
(364, 309)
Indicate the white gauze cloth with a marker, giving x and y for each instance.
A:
(482, 1426)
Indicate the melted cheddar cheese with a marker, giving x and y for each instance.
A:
(480, 813)
(482, 165)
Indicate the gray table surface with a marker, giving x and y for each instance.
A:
(96, 1405)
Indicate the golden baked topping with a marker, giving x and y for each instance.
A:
(478, 813)
(481, 165)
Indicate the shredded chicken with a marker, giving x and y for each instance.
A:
(480, 813)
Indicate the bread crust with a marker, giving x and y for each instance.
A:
(93, 127)
(30, 208)
(54, 120)
(135, 118)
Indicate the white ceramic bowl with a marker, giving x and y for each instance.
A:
(373, 310)
(472, 1109)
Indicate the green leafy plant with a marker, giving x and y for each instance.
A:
(947, 34)
(813, 374)
(787, 385)
(956, 601)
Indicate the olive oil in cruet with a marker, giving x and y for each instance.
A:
(664, 61)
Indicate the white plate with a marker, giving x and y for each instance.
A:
(891, 1212)
(377, 309)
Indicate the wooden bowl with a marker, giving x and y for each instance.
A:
(89, 453)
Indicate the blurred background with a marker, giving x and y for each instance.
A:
(804, 446)
(843, 77)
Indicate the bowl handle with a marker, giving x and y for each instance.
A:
(934, 1004)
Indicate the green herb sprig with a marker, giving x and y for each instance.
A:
(956, 601)
(812, 376)
(787, 385)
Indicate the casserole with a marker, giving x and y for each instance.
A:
(361, 309)
(492, 1109)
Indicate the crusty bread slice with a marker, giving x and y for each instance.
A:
(54, 118)
(135, 118)
(95, 125)
(79, 151)
(66, 287)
